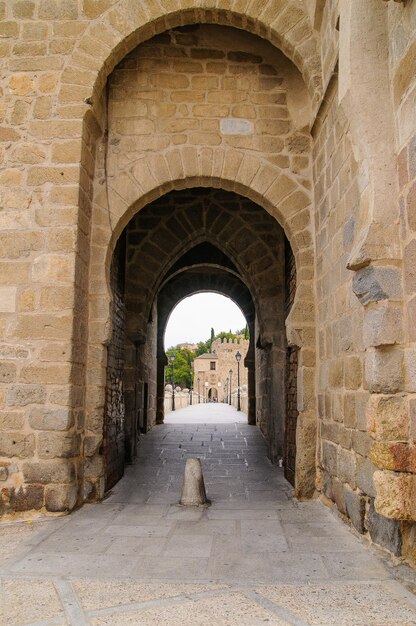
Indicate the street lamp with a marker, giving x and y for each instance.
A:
(172, 358)
(199, 394)
(219, 388)
(238, 359)
(190, 391)
(230, 373)
(206, 391)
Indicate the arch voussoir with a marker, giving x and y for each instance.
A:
(117, 31)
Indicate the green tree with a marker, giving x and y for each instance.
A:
(182, 366)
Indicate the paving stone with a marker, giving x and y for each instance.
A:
(129, 554)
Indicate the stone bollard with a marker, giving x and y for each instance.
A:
(193, 488)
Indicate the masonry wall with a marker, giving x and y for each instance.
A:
(402, 34)
(344, 443)
(114, 434)
(203, 85)
(176, 103)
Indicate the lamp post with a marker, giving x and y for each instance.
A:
(206, 391)
(199, 394)
(230, 373)
(190, 390)
(172, 358)
(225, 397)
(219, 388)
(238, 359)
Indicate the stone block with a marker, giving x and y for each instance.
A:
(58, 10)
(361, 442)
(22, 395)
(11, 420)
(387, 417)
(16, 444)
(355, 507)
(353, 372)
(364, 476)
(409, 263)
(92, 444)
(48, 472)
(4, 473)
(8, 299)
(350, 417)
(412, 418)
(27, 498)
(327, 485)
(411, 318)
(23, 9)
(338, 495)
(394, 492)
(383, 326)
(372, 284)
(396, 456)
(410, 370)
(7, 372)
(94, 467)
(21, 84)
(94, 8)
(61, 498)
(44, 418)
(47, 373)
(384, 371)
(346, 467)
(58, 445)
(383, 531)
(329, 457)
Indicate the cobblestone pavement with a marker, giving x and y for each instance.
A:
(255, 556)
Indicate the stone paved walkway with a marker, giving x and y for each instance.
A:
(255, 556)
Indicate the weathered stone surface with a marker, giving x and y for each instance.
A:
(355, 503)
(329, 457)
(49, 472)
(410, 370)
(387, 417)
(410, 267)
(395, 456)
(372, 284)
(51, 418)
(394, 497)
(384, 370)
(60, 498)
(346, 467)
(364, 476)
(383, 531)
(16, 444)
(383, 326)
(58, 445)
(27, 498)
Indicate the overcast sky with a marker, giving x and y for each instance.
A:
(191, 321)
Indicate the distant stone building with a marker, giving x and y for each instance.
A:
(215, 373)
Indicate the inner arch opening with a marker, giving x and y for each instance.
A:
(190, 241)
(204, 333)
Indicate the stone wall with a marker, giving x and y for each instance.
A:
(347, 471)
(115, 412)
(210, 106)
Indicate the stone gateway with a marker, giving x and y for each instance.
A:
(264, 150)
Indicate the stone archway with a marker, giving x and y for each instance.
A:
(265, 334)
(272, 172)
